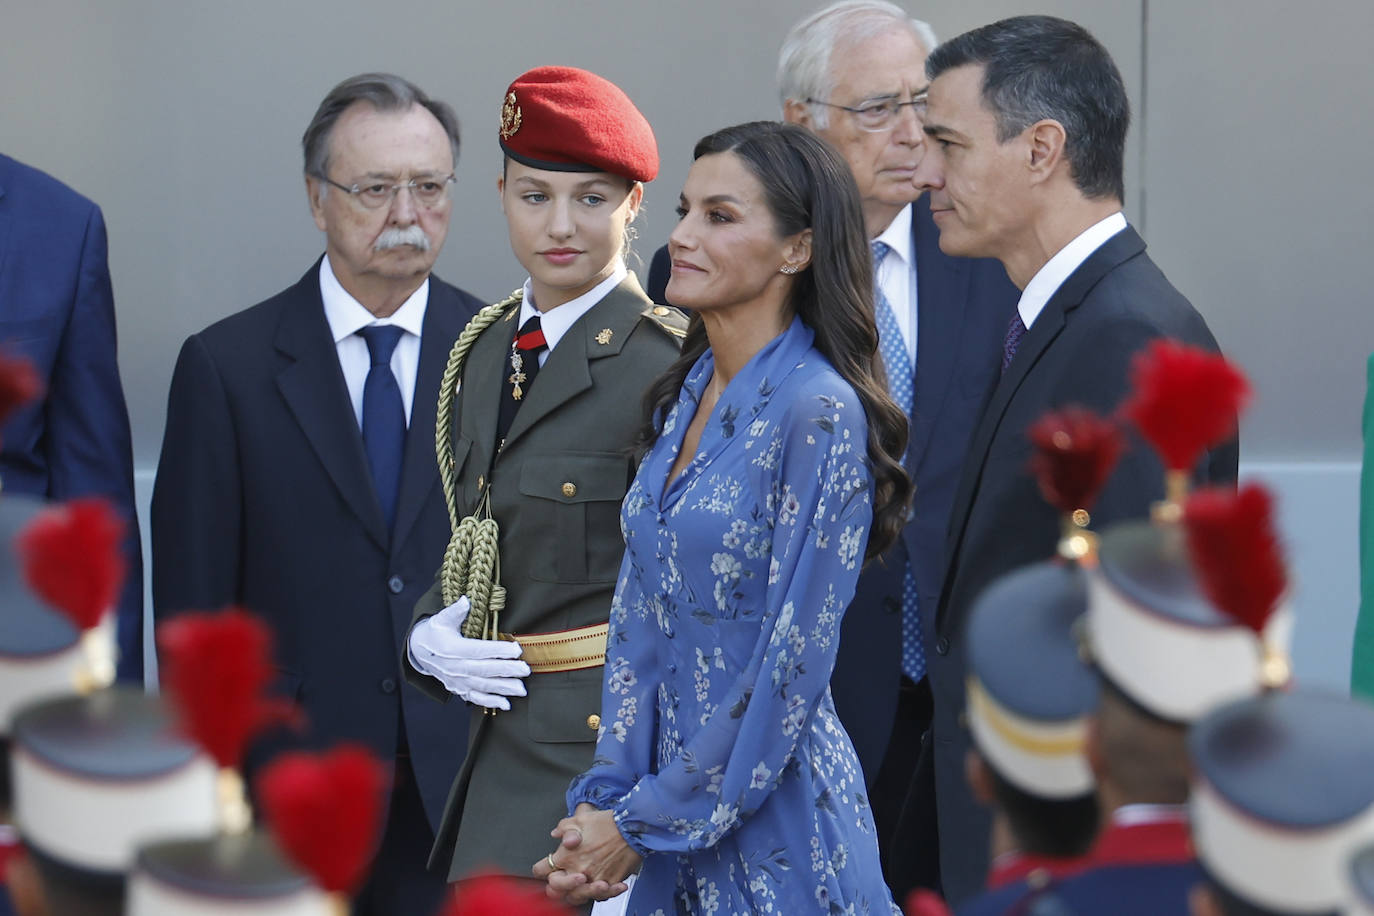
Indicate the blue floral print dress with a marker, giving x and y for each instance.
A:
(719, 749)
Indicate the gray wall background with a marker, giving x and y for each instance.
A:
(1245, 172)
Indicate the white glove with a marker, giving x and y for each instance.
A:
(481, 671)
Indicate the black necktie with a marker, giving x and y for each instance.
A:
(384, 417)
(523, 366)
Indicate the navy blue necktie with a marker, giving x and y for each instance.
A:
(901, 384)
(384, 417)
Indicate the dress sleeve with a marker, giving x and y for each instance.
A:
(819, 500)
(625, 742)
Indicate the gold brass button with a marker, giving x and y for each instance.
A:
(569, 489)
(593, 721)
(660, 311)
(480, 481)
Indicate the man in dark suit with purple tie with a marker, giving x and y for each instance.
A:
(1026, 130)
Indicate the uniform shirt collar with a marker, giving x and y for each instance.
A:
(1057, 269)
(347, 316)
(556, 321)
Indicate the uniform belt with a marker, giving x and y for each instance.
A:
(563, 650)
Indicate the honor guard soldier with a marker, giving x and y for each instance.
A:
(1029, 700)
(539, 414)
(57, 638)
(221, 876)
(1030, 695)
(1283, 798)
(96, 777)
(40, 657)
(40, 649)
(1171, 645)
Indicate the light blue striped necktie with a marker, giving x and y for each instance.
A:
(901, 385)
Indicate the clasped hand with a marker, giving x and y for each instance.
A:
(592, 860)
(481, 671)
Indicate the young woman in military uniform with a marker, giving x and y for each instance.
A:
(538, 419)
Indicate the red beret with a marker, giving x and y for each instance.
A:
(568, 120)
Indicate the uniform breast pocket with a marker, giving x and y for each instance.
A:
(577, 500)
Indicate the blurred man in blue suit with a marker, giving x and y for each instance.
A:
(57, 310)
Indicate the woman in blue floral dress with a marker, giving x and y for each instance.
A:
(721, 770)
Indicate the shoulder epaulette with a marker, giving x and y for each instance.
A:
(672, 320)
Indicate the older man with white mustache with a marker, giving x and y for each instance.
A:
(298, 475)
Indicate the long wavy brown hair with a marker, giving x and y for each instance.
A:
(808, 186)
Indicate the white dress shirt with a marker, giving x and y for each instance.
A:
(1057, 269)
(347, 316)
(897, 276)
(556, 321)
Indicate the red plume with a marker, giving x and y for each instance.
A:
(1075, 451)
(73, 559)
(922, 902)
(19, 384)
(1236, 551)
(216, 668)
(326, 811)
(495, 895)
(1186, 400)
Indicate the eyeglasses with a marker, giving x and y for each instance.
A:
(427, 192)
(880, 114)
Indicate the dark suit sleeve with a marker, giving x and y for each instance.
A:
(1100, 379)
(86, 427)
(197, 500)
(430, 603)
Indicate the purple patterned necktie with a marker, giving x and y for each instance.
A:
(1015, 331)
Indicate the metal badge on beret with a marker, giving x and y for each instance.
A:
(510, 116)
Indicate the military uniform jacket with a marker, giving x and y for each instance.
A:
(556, 488)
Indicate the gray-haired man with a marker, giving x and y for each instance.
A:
(854, 73)
(298, 475)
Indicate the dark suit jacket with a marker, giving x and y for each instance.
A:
(560, 555)
(963, 307)
(264, 498)
(57, 309)
(1079, 350)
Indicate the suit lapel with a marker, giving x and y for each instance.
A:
(444, 321)
(942, 298)
(313, 387)
(1048, 326)
(567, 372)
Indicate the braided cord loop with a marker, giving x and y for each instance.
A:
(472, 564)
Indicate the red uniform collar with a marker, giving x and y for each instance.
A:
(1140, 836)
(1014, 867)
(10, 848)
